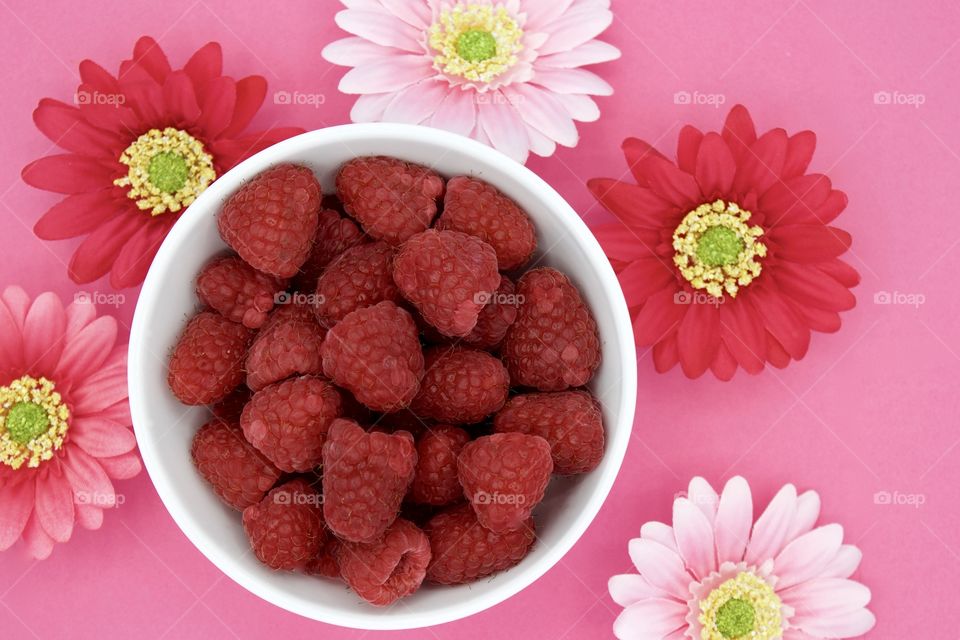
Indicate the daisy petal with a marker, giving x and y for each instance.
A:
(808, 510)
(694, 535)
(541, 110)
(133, 261)
(16, 504)
(88, 478)
(65, 126)
(581, 108)
(761, 166)
(68, 173)
(637, 153)
(415, 14)
(39, 543)
(102, 389)
(80, 313)
(666, 354)
(122, 467)
(43, 333)
(629, 588)
(743, 333)
(217, 103)
(739, 132)
(592, 52)
(18, 303)
(542, 12)
(505, 128)
(724, 365)
(95, 255)
(54, 506)
(386, 76)
(381, 28)
(576, 81)
(86, 353)
(848, 625)
(97, 77)
(770, 531)
(77, 214)
(457, 113)
(699, 338)
(734, 519)
(180, 98)
(661, 567)
(89, 517)
(844, 563)
(811, 287)
(805, 557)
(623, 243)
(539, 143)
(659, 532)
(688, 148)
(800, 148)
(650, 619)
(659, 316)
(826, 597)
(205, 65)
(230, 152)
(150, 57)
(632, 205)
(371, 107)
(782, 322)
(644, 277)
(702, 494)
(841, 272)
(672, 184)
(810, 242)
(101, 438)
(575, 27)
(795, 200)
(715, 167)
(354, 51)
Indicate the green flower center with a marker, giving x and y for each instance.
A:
(168, 171)
(719, 246)
(26, 421)
(735, 618)
(476, 45)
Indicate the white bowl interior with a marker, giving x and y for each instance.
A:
(165, 428)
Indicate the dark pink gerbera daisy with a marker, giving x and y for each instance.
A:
(726, 256)
(141, 147)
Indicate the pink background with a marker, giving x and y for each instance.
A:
(870, 409)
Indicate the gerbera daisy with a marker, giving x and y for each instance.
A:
(505, 72)
(718, 575)
(64, 420)
(141, 147)
(726, 256)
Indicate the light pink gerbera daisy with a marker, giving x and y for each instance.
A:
(505, 72)
(718, 575)
(64, 419)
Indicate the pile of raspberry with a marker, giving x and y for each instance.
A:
(391, 388)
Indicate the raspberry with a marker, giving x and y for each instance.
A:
(495, 318)
(271, 220)
(504, 477)
(335, 234)
(436, 481)
(403, 420)
(553, 345)
(286, 527)
(238, 291)
(230, 408)
(569, 420)
(384, 571)
(391, 199)
(359, 277)
(461, 385)
(475, 207)
(240, 474)
(287, 347)
(288, 421)
(365, 476)
(448, 276)
(463, 551)
(207, 362)
(375, 353)
(290, 308)
(325, 562)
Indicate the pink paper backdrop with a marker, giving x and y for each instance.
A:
(871, 409)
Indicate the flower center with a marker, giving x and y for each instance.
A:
(33, 421)
(476, 42)
(742, 607)
(167, 170)
(717, 250)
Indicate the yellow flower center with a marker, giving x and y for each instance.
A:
(475, 42)
(717, 250)
(744, 607)
(167, 170)
(33, 422)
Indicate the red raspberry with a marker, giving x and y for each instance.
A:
(359, 277)
(207, 362)
(569, 420)
(386, 570)
(391, 199)
(504, 477)
(292, 307)
(365, 476)
(271, 220)
(230, 408)
(403, 420)
(286, 527)
(287, 347)
(448, 276)
(288, 421)
(240, 474)
(436, 481)
(553, 345)
(495, 318)
(464, 551)
(375, 353)
(475, 207)
(238, 291)
(335, 234)
(461, 385)
(325, 563)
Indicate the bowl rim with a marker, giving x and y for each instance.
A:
(617, 435)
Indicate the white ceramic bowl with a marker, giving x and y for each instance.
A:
(165, 428)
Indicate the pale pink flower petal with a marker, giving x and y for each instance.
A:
(702, 494)
(43, 333)
(770, 531)
(18, 302)
(580, 107)
(414, 13)
(79, 314)
(827, 597)
(503, 125)
(354, 51)
(101, 438)
(87, 352)
(384, 76)
(734, 519)
(625, 589)
(808, 510)
(694, 535)
(122, 467)
(574, 28)
(54, 505)
(88, 478)
(11, 345)
(16, 504)
(572, 81)
(104, 388)
(416, 103)
(848, 625)
(381, 28)
(457, 113)
(659, 532)
(542, 12)
(649, 619)
(844, 564)
(805, 557)
(660, 566)
(543, 111)
(539, 143)
(89, 517)
(593, 52)
(370, 107)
